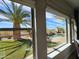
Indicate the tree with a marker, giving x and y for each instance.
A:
(60, 29)
(14, 13)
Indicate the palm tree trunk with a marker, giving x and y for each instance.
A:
(16, 33)
(30, 33)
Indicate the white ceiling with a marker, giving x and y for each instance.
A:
(73, 3)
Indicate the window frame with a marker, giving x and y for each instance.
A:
(73, 30)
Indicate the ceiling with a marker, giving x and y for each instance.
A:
(73, 3)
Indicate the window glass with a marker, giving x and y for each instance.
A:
(56, 31)
(15, 31)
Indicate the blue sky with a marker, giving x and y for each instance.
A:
(51, 21)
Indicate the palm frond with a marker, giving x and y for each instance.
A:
(13, 6)
(6, 14)
(7, 7)
(18, 12)
(24, 14)
(19, 9)
(2, 11)
(26, 22)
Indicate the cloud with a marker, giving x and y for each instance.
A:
(49, 15)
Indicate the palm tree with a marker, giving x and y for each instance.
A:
(14, 13)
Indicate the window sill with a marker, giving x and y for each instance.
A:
(56, 52)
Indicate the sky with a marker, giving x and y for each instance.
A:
(51, 21)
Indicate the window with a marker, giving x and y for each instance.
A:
(15, 31)
(56, 31)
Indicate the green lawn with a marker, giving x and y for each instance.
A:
(14, 49)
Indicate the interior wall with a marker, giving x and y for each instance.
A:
(66, 53)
